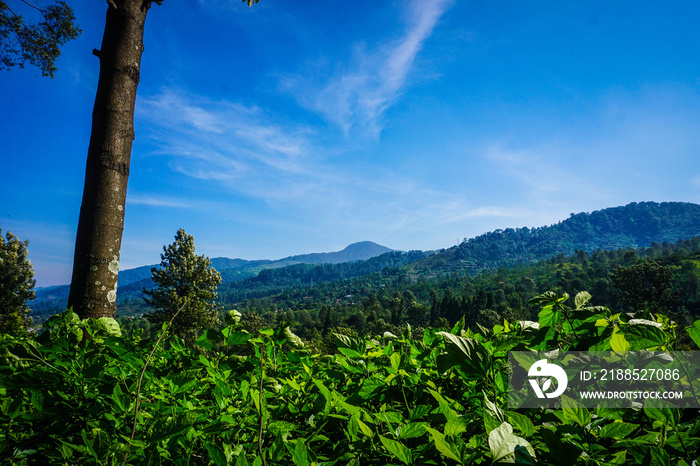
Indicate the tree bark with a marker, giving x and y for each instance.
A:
(93, 290)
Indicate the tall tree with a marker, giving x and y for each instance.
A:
(16, 285)
(184, 281)
(93, 291)
(40, 43)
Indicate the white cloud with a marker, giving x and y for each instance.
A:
(357, 96)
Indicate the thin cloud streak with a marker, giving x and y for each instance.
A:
(358, 97)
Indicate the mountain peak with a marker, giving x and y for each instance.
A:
(362, 250)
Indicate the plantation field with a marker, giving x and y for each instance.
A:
(83, 394)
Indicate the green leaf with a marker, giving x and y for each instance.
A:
(617, 430)
(503, 444)
(521, 422)
(443, 445)
(365, 428)
(352, 347)
(619, 344)
(121, 400)
(325, 393)
(644, 336)
(411, 430)
(694, 332)
(581, 299)
(467, 354)
(37, 400)
(395, 360)
(670, 416)
(657, 457)
(238, 338)
(397, 449)
(107, 324)
(301, 455)
(575, 411)
(493, 415)
(549, 317)
(88, 443)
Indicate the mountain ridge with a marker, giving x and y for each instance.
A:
(632, 226)
(137, 278)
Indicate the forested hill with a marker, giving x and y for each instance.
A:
(634, 225)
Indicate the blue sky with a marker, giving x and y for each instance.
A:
(298, 127)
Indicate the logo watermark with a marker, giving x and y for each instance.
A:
(544, 369)
(604, 378)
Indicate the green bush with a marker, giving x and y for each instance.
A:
(79, 394)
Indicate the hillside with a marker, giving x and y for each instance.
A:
(632, 226)
(637, 225)
(132, 281)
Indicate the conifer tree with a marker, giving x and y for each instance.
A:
(16, 285)
(184, 281)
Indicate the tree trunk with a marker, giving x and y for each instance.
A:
(93, 290)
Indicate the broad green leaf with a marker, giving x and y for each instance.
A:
(694, 332)
(467, 354)
(657, 457)
(575, 411)
(493, 415)
(395, 360)
(683, 441)
(397, 449)
(503, 443)
(37, 400)
(581, 299)
(521, 422)
(619, 344)
(301, 455)
(444, 446)
(669, 416)
(365, 428)
(549, 317)
(644, 336)
(238, 338)
(120, 399)
(352, 347)
(109, 325)
(325, 393)
(617, 430)
(411, 430)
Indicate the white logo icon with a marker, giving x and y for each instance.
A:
(544, 369)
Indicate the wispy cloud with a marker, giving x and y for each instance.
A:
(244, 146)
(358, 95)
(168, 202)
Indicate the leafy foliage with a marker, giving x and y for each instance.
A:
(16, 285)
(398, 399)
(39, 44)
(184, 281)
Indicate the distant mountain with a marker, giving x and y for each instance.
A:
(132, 281)
(355, 252)
(632, 226)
